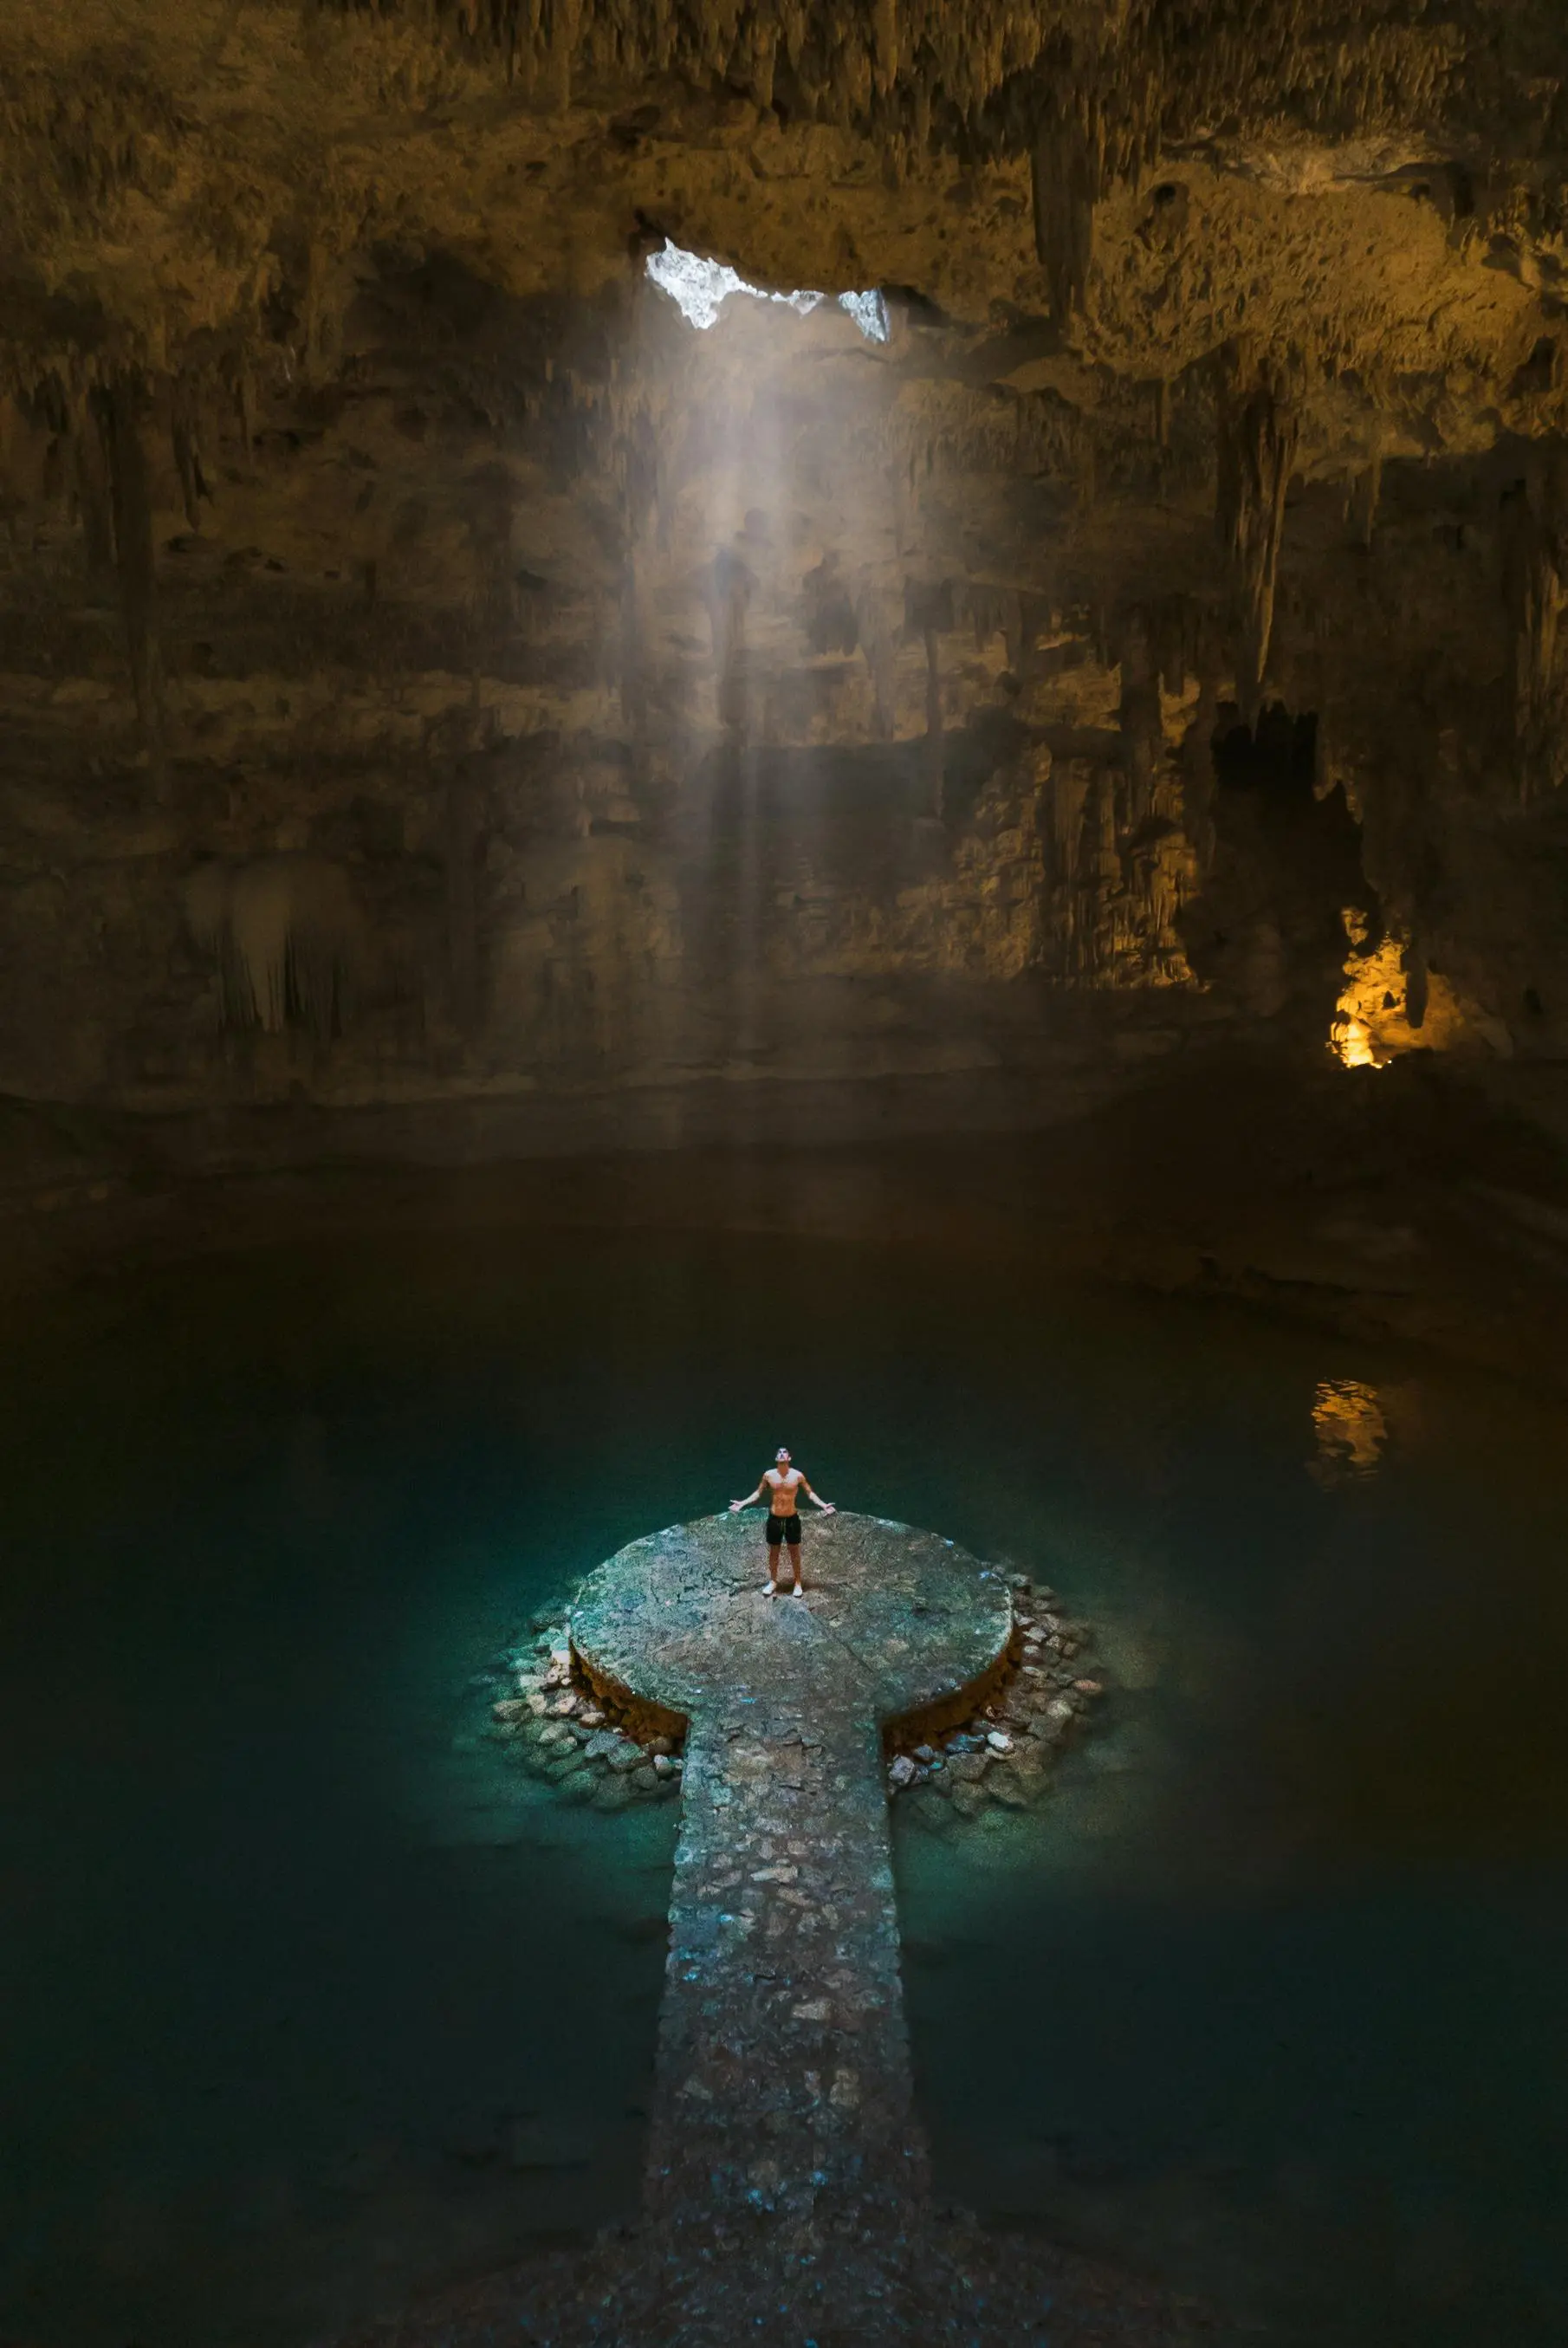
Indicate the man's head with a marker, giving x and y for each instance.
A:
(781, 1457)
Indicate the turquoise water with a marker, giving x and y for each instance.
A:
(1266, 2001)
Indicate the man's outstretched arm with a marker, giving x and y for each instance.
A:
(759, 1494)
(825, 1506)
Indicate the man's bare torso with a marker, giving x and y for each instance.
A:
(783, 1489)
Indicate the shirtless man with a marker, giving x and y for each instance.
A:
(780, 1487)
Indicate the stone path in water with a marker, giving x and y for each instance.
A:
(783, 2081)
(787, 2196)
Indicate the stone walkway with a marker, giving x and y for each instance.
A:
(788, 2200)
(783, 2083)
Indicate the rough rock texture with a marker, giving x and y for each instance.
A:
(784, 2084)
(433, 670)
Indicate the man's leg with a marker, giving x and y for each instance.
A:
(794, 1555)
(774, 1546)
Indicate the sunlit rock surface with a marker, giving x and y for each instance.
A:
(537, 697)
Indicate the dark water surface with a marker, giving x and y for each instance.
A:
(1268, 2000)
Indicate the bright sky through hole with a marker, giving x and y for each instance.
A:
(699, 286)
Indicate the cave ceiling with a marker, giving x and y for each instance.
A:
(349, 462)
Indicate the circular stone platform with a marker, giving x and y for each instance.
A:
(895, 1622)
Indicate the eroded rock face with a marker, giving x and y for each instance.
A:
(433, 667)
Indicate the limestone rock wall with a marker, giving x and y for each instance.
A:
(430, 667)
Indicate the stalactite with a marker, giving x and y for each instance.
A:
(1198, 780)
(1365, 489)
(877, 630)
(762, 62)
(889, 65)
(120, 404)
(285, 934)
(10, 434)
(187, 449)
(1067, 174)
(1012, 624)
(1417, 987)
(1259, 433)
(237, 381)
(1139, 716)
(934, 754)
(1538, 691)
(317, 324)
(920, 140)
(1535, 575)
(94, 490)
(463, 813)
(1173, 632)
(885, 45)
(565, 18)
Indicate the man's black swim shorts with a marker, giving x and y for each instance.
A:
(780, 1529)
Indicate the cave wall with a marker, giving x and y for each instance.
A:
(431, 668)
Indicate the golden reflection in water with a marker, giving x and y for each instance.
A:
(1351, 1430)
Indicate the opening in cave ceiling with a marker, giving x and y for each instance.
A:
(700, 287)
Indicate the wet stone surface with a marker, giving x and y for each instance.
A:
(786, 2196)
(783, 2070)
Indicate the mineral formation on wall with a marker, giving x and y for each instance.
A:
(639, 705)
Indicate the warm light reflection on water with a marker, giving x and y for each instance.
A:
(1348, 1423)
